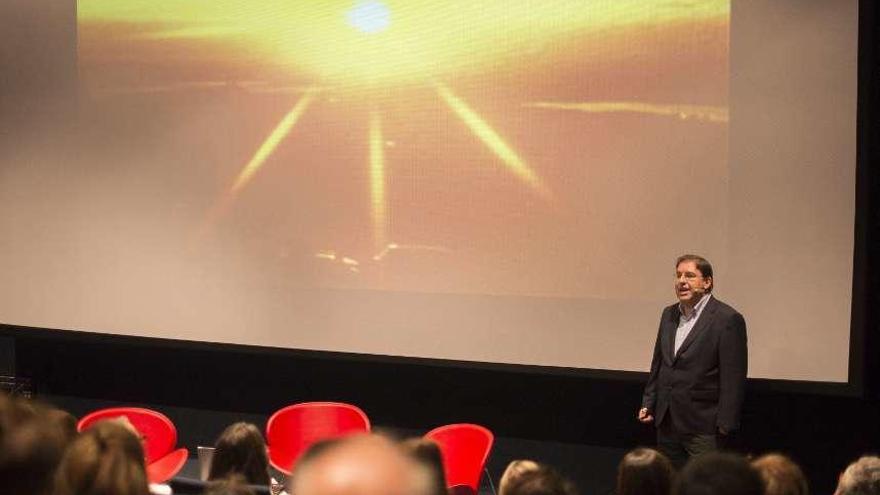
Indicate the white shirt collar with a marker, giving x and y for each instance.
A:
(697, 307)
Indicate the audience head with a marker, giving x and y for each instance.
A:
(644, 472)
(106, 459)
(232, 485)
(31, 445)
(716, 473)
(362, 464)
(240, 449)
(862, 477)
(531, 478)
(514, 471)
(781, 476)
(65, 422)
(427, 454)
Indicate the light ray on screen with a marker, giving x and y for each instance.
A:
(409, 247)
(377, 179)
(493, 140)
(222, 205)
(265, 150)
(682, 111)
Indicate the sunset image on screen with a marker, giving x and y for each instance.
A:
(467, 147)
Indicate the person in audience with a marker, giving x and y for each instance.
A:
(232, 485)
(644, 471)
(65, 422)
(365, 464)
(427, 454)
(781, 476)
(531, 478)
(862, 477)
(31, 447)
(106, 459)
(716, 473)
(514, 471)
(241, 449)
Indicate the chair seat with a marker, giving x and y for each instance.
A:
(293, 429)
(164, 468)
(465, 449)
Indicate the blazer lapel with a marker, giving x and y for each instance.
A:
(702, 322)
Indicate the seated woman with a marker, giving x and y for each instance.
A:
(241, 450)
(108, 458)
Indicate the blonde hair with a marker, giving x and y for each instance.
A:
(862, 477)
(781, 476)
(514, 471)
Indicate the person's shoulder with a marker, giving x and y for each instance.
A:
(670, 308)
(723, 308)
(671, 311)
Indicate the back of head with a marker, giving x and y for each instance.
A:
(781, 476)
(427, 454)
(718, 474)
(644, 472)
(30, 447)
(514, 471)
(65, 422)
(862, 477)
(241, 450)
(362, 465)
(540, 480)
(106, 459)
(232, 485)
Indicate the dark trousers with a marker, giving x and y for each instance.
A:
(679, 447)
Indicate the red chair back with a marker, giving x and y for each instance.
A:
(157, 431)
(465, 448)
(158, 434)
(292, 430)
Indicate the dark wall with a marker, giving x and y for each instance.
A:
(820, 430)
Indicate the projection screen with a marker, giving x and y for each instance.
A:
(491, 181)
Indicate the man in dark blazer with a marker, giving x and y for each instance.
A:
(695, 390)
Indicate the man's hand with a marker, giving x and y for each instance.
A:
(722, 431)
(644, 416)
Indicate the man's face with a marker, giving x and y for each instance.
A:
(690, 285)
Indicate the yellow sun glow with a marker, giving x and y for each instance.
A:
(427, 38)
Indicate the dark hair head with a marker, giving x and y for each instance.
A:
(717, 473)
(543, 480)
(702, 264)
(862, 477)
(427, 454)
(644, 472)
(30, 447)
(106, 459)
(233, 485)
(240, 449)
(65, 422)
(781, 476)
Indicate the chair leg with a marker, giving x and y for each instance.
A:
(489, 477)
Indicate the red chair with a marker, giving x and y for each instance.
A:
(465, 448)
(159, 438)
(292, 430)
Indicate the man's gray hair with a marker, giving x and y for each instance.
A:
(862, 477)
